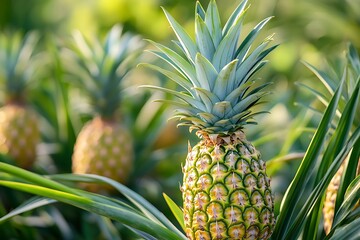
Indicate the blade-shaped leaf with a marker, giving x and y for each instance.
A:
(176, 210)
(246, 44)
(183, 82)
(221, 109)
(225, 51)
(199, 10)
(238, 12)
(117, 213)
(29, 205)
(350, 200)
(203, 38)
(148, 209)
(350, 231)
(179, 63)
(335, 144)
(294, 230)
(186, 42)
(180, 95)
(297, 186)
(36, 179)
(205, 72)
(225, 81)
(212, 20)
(323, 77)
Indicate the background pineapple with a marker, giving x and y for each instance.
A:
(226, 192)
(104, 145)
(19, 131)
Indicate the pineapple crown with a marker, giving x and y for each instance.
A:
(215, 71)
(17, 62)
(100, 67)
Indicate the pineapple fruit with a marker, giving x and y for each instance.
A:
(19, 131)
(104, 145)
(226, 192)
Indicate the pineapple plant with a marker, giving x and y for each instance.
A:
(226, 192)
(19, 130)
(353, 74)
(104, 144)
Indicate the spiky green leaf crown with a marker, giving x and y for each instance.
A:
(215, 71)
(17, 64)
(100, 67)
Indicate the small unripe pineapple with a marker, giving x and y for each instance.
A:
(104, 145)
(19, 131)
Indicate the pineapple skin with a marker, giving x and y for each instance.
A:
(226, 191)
(19, 133)
(103, 147)
(330, 197)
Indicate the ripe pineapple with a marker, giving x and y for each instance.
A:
(19, 131)
(226, 191)
(104, 146)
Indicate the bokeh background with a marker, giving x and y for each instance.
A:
(312, 31)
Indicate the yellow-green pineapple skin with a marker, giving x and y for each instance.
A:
(103, 147)
(19, 133)
(330, 197)
(226, 190)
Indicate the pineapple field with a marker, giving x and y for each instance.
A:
(153, 119)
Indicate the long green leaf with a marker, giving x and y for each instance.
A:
(244, 47)
(205, 72)
(212, 20)
(225, 51)
(204, 40)
(185, 40)
(29, 205)
(225, 81)
(294, 230)
(178, 62)
(350, 231)
(117, 213)
(238, 12)
(35, 178)
(176, 210)
(188, 99)
(181, 81)
(297, 186)
(337, 142)
(147, 208)
(350, 200)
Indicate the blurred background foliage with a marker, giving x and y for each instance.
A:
(313, 31)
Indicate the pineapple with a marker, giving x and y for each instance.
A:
(19, 131)
(104, 145)
(226, 192)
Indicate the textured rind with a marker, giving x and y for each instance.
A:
(331, 195)
(330, 199)
(226, 191)
(19, 134)
(103, 148)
